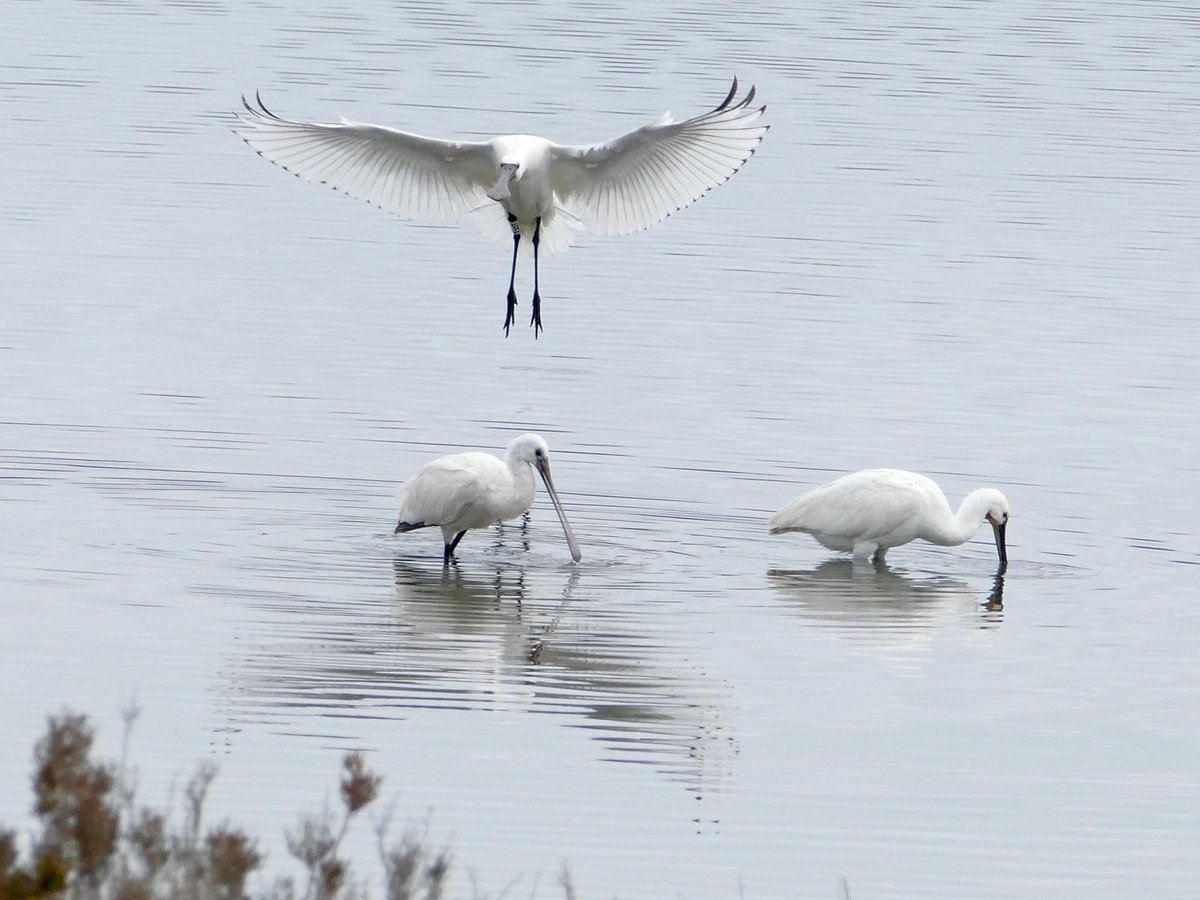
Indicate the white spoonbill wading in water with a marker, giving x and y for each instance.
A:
(475, 490)
(518, 185)
(869, 512)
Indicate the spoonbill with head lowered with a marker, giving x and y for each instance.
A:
(474, 490)
(869, 512)
(518, 185)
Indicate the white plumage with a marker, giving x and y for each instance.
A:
(519, 186)
(475, 490)
(869, 512)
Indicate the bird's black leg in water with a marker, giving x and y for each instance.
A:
(536, 319)
(511, 317)
(450, 546)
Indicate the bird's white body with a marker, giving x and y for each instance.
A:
(466, 490)
(474, 490)
(867, 513)
(528, 193)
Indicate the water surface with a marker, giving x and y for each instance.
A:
(966, 247)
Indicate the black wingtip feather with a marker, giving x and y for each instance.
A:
(732, 93)
(260, 109)
(744, 103)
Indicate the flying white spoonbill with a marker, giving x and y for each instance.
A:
(518, 185)
(869, 512)
(475, 490)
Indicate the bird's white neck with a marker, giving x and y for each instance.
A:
(952, 529)
(524, 486)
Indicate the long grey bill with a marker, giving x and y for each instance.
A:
(544, 471)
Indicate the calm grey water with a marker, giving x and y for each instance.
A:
(966, 247)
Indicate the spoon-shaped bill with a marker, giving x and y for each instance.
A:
(501, 191)
(998, 529)
(543, 467)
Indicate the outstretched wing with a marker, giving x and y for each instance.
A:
(416, 177)
(642, 177)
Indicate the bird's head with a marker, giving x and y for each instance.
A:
(997, 516)
(532, 450)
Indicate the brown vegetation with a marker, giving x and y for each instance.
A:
(93, 839)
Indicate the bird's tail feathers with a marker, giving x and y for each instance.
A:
(557, 234)
(789, 518)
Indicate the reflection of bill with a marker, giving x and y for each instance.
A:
(995, 600)
(881, 611)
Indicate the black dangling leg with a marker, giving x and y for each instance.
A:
(511, 317)
(449, 552)
(536, 319)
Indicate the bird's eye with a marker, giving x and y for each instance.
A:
(538, 452)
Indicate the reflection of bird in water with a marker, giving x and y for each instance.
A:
(450, 600)
(884, 612)
(474, 490)
(503, 638)
(867, 513)
(484, 638)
